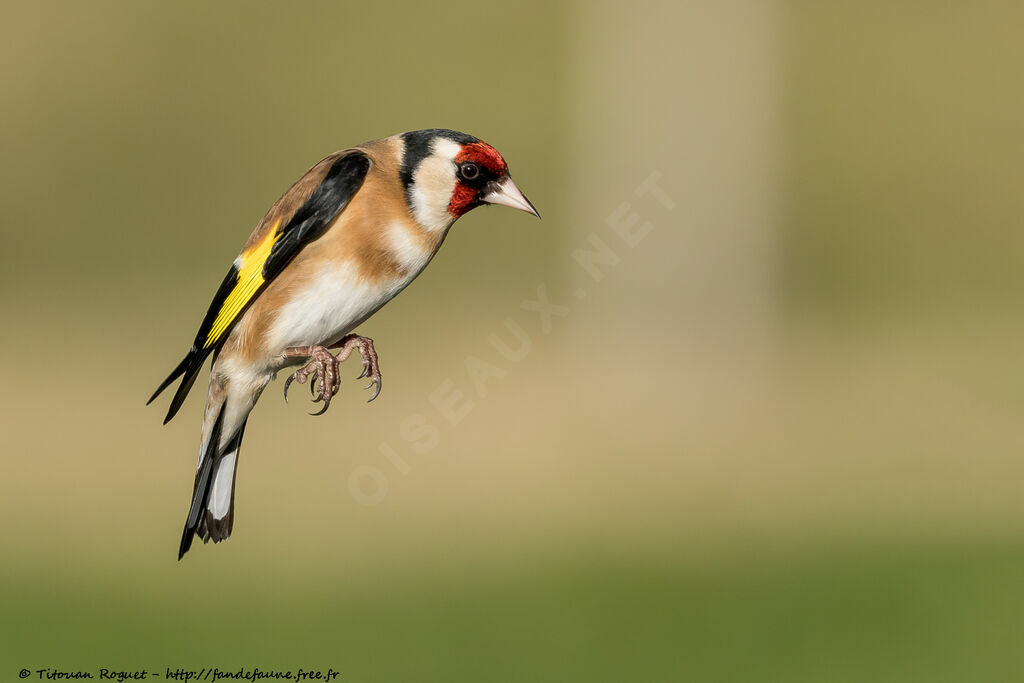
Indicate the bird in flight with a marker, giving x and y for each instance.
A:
(347, 237)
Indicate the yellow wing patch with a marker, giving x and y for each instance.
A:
(250, 279)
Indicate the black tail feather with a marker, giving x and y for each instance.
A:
(217, 530)
(186, 385)
(175, 374)
(187, 369)
(201, 489)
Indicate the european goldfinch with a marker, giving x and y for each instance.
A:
(348, 236)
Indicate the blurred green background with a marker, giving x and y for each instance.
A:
(778, 439)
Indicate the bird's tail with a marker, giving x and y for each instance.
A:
(212, 512)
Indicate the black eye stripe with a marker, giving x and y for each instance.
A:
(476, 180)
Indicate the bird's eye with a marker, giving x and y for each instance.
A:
(469, 171)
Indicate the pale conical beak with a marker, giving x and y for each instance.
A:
(505, 193)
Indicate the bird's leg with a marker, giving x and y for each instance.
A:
(369, 355)
(322, 367)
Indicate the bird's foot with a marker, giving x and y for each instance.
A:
(322, 368)
(371, 369)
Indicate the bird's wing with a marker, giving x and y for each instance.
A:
(301, 215)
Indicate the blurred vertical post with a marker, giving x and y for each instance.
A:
(684, 94)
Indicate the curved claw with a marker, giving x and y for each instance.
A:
(287, 383)
(322, 395)
(376, 392)
(291, 378)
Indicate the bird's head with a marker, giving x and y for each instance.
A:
(447, 173)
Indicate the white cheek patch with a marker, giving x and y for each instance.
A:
(432, 185)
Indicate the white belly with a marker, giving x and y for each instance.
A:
(331, 306)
